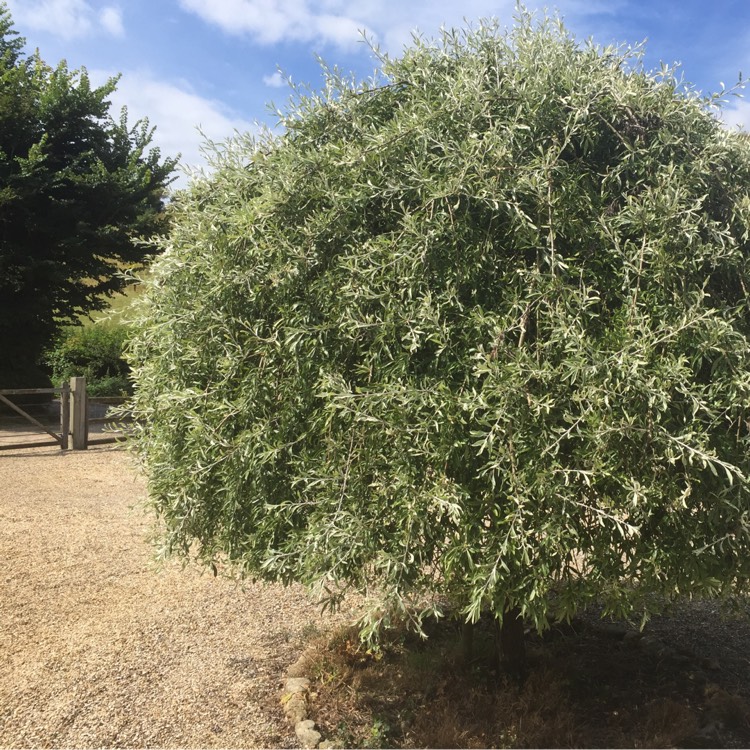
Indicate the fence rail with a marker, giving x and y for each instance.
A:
(93, 420)
(60, 438)
(75, 417)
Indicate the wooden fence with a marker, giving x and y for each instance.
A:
(76, 417)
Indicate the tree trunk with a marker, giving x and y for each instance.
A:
(512, 649)
(467, 642)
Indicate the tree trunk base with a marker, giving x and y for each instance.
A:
(511, 644)
(467, 643)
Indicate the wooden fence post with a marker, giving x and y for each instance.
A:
(79, 414)
(64, 416)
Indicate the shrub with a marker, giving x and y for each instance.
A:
(96, 352)
(475, 333)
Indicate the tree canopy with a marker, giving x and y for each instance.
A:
(77, 191)
(474, 334)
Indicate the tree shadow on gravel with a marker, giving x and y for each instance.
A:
(683, 682)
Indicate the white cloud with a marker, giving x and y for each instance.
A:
(340, 30)
(66, 18)
(271, 21)
(737, 115)
(111, 19)
(69, 19)
(178, 114)
(342, 22)
(391, 23)
(275, 80)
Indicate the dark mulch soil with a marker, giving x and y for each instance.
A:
(683, 682)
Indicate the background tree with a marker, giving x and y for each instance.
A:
(473, 335)
(77, 191)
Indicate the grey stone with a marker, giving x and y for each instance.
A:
(297, 684)
(295, 708)
(307, 734)
(299, 668)
(327, 745)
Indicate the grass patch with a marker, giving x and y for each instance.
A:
(118, 306)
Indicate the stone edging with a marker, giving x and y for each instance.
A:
(295, 702)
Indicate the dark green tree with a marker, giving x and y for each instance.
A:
(473, 336)
(77, 191)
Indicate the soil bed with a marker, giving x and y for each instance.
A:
(684, 682)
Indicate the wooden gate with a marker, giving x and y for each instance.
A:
(79, 415)
(60, 438)
(76, 419)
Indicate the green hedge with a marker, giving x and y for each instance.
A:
(94, 351)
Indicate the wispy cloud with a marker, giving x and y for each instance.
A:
(737, 114)
(111, 20)
(181, 116)
(69, 19)
(391, 23)
(271, 21)
(275, 80)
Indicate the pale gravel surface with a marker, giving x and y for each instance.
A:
(99, 647)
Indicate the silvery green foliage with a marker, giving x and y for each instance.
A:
(474, 333)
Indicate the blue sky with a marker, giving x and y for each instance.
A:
(214, 63)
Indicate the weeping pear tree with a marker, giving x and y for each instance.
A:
(471, 335)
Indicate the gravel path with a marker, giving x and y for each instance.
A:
(100, 647)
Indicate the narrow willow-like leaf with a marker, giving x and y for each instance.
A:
(474, 334)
